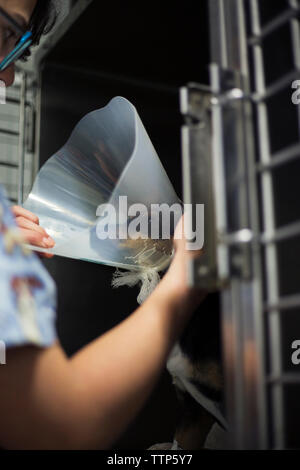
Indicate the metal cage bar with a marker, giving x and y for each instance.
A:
(22, 135)
(242, 303)
(269, 227)
(295, 32)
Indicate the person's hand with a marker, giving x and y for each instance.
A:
(186, 297)
(32, 232)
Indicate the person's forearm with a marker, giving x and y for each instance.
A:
(119, 370)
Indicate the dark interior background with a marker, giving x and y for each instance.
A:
(144, 51)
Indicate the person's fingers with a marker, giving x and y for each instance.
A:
(21, 212)
(36, 238)
(33, 233)
(45, 255)
(180, 242)
(24, 223)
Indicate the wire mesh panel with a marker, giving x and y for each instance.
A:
(256, 57)
(274, 45)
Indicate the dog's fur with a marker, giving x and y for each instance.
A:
(198, 360)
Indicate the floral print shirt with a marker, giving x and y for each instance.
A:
(27, 292)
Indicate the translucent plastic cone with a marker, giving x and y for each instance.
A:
(108, 155)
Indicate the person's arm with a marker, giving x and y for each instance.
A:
(49, 401)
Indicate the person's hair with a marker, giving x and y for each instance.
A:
(42, 21)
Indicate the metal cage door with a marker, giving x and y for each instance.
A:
(239, 164)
